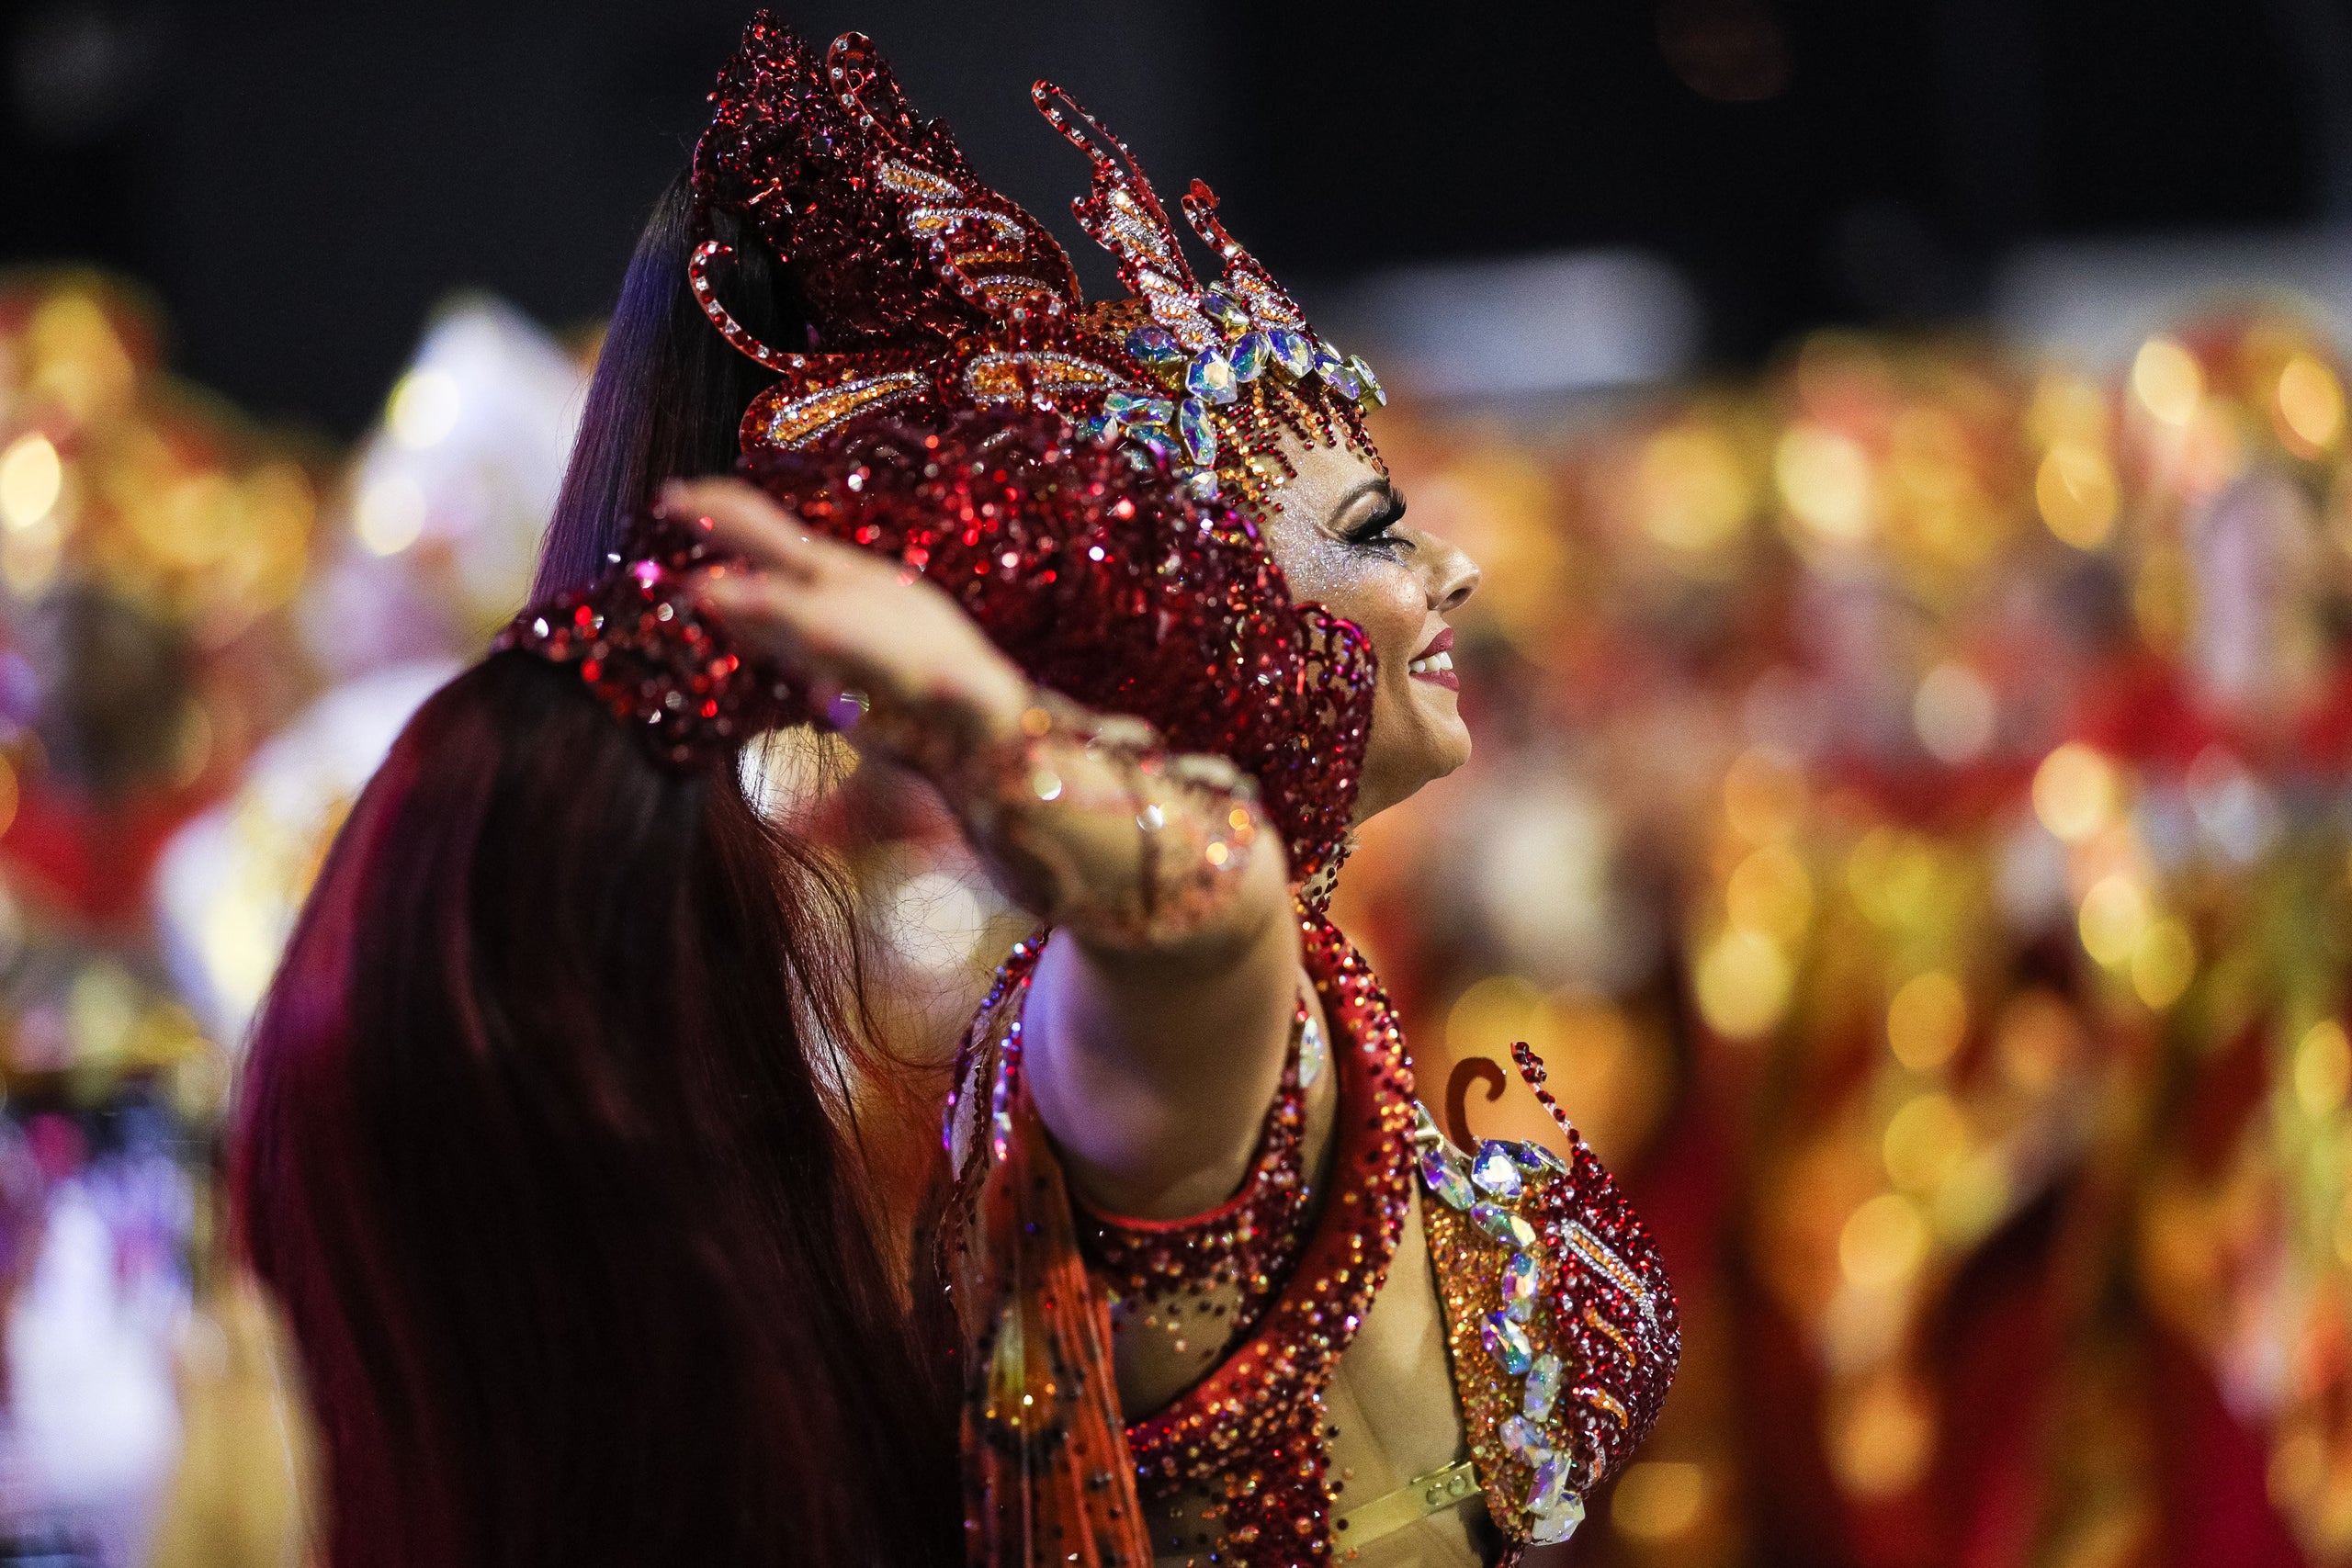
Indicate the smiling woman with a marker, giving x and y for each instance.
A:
(1128, 584)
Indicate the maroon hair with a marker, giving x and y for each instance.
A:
(543, 1142)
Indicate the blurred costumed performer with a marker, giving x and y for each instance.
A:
(536, 1082)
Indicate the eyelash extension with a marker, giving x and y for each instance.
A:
(1373, 532)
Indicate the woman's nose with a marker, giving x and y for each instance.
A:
(1453, 576)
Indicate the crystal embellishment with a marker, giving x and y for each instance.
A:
(1524, 1440)
(1155, 346)
(1314, 1054)
(1137, 407)
(1495, 1171)
(1503, 1225)
(1250, 353)
(1210, 377)
(1544, 1380)
(1200, 435)
(1225, 311)
(1445, 1179)
(1156, 442)
(1341, 379)
(1550, 1487)
(1507, 1342)
(1371, 390)
(1292, 352)
(1559, 1523)
(1535, 1159)
(1521, 1275)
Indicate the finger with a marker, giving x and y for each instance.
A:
(744, 521)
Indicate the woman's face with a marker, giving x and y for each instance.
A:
(1338, 533)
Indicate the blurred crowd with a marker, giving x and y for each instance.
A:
(1909, 818)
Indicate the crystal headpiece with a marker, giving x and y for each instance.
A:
(929, 293)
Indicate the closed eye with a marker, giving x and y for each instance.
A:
(1376, 532)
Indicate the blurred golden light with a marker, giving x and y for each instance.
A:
(1770, 892)
(2067, 406)
(1952, 713)
(1691, 491)
(424, 408)
(2036, 1039)
(1882, 1440)
(1657, 1501)
(2074, 791)
(1973, 1197)
(1894, 877)
(2167, 381)
(1825, 477)
(7, 794)
(2310, 404)
(2164, 962)
(2343, 1237)
(390, 515)
(79, 357)
(1764, 796)
(2114, 916)
(29, 556)
(1742, 982)
(101, 1008)
(1926, 1020)
(2298, 1471)
(1924, 1143)
(2322, 1068)
(2075, 489)
(1884, 1242)
(30, 479)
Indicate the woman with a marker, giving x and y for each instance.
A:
(1201, 1307)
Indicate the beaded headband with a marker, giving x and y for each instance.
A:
(930, 293)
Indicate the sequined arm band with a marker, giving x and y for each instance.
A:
(1093, 825)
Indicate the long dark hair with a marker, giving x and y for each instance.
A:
(542, 1138)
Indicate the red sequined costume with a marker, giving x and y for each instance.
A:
(1084, 480)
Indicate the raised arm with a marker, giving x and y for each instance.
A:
(1158, 1020)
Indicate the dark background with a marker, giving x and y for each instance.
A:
(298, 183)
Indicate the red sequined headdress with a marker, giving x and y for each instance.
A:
(932, 294)
(1085, 479)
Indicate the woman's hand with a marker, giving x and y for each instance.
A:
(846, 619)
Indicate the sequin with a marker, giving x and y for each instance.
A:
(1495, 1171)
(1508, 1343)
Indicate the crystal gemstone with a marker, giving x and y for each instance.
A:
(1445, 1179)
(1559, 1523)
(1371, 391)
(1137, 407)
(1523, 1439)
(1507, 1342)
(1200, 435)
(1503, 1225)
(1550, 1487)
(1521, 1275)
(1293, 352)
(1225, 311)
(1210, 377)
(1251, 353)
(1495, 1171)
(1155, 346)
(1544, 1380)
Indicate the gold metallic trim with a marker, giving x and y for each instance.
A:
(1410, 1504)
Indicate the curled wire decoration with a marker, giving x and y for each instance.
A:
(733, 331)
